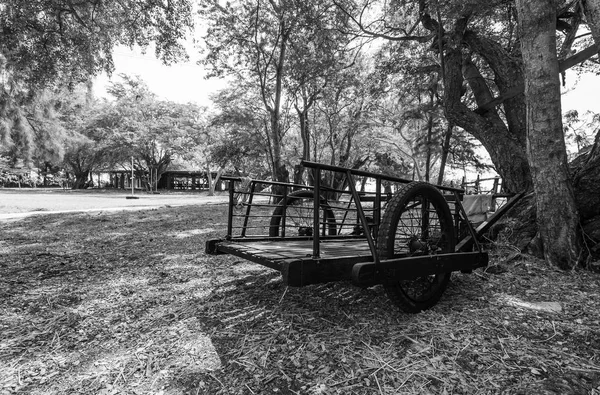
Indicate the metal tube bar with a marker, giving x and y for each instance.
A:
(377, 208)
(370, 174)
(230, 178)
(317, 204)
(469, 225)
(363, 218)
(252, 186)
(230, 211)
(284, 216)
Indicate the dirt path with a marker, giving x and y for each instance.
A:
(18, 203)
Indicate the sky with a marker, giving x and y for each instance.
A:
(182, 82)
(581, 93)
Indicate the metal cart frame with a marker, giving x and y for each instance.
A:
(363, 247)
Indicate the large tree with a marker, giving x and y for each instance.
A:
(34, 133)
(151, 131)
(48, 44)
(592, 14)
(320, 53)
(235, 144)
(87, 142)
(481, 51)
(282, 49)
(558, 223)
(248, 40)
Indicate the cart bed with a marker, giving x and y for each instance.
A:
(294, 258)
(271, 253)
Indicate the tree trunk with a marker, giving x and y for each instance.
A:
(81, 179)
(276, 140)
(428, 142)
(505, 150)
(591, 9)
(305, 136)
(212, 184)
(280, 173)
(556, 211)
(504, 142)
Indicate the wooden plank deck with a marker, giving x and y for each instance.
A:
(274, 253)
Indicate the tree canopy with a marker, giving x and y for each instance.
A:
(46, 46)
(45, 42)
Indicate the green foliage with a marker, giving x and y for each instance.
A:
(86, 144)
(343, 134)
(580, 131)
(47, 42)
(238, 140)
(48, 46)
(466, 152)
(385, 163)
(33, 132)
(152, 131)
(284, 53)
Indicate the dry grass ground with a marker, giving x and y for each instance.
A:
(128, 303)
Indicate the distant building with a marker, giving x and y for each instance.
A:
(171, 179)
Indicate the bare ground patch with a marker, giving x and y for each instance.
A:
(128, 303)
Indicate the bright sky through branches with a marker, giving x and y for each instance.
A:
(184, 82)
(581, 94)
(181, 82)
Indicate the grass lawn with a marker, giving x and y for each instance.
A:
(128, 303)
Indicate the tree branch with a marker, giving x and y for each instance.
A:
(370, 33)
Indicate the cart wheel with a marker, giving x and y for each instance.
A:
(299, 216)
(416, 222)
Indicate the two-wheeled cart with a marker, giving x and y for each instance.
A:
(370, 229)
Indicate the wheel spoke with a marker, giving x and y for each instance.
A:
(417, 223)
(297, 214)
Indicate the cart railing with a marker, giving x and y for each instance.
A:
(252, 208)
(260, 209)
(270, 210)
(319, 167)
(351, 174)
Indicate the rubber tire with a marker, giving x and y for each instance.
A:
(398, 291)
(278, 212)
